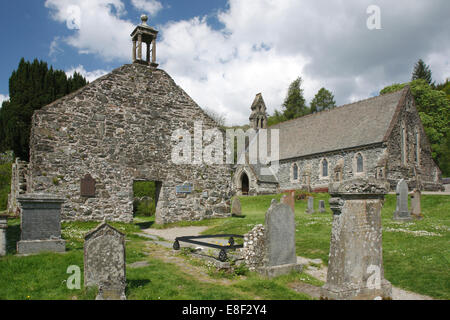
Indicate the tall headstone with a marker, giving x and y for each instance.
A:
(310, 208)
(416, 209)
(355, 267)
(104, 262)
(279, 238)
(3, 226)
(401, 212)
(236, 208)
(40, 224)
(321, 206)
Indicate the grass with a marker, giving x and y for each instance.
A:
(416, 257)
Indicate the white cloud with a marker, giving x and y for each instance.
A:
(3, 98)
(264, 45)
(152, 7)
(89, 75)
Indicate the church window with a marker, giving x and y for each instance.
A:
(295, 171)
(359, 163)
(324, 168)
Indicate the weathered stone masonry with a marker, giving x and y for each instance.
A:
(118, 129)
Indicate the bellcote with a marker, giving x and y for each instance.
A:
(258, 117)
(143, 33)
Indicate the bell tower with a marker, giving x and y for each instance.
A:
(258, 117)
(143, 33)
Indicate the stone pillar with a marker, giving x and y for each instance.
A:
(154, 51)
(355, 268)
(310, 208)
(134, 51)
(321, 206)
(401, 211)
(3, 226)
(40, 224)
(139, 46)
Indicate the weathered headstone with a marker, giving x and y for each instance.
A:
(275, 243)
(401, 212)
(416, 209)
(236, 207)
(289, 199)
(3, 226)
(355, 267)
(104, 262)
(321, 206)
(40, 224)
(310, 208)
(87, 186)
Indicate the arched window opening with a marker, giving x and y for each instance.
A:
(359, 163)
(325, 168)
(295, 171)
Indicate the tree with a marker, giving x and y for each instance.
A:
(434, 111)
(422, 71)
(31, 86)
(323, 100)
(276, 118)
(294, 105)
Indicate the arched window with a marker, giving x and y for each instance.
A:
(359, 163)
(295, 172)
(403, 143)
(324, 168)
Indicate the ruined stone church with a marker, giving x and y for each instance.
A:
(381, 137)
(92, 145)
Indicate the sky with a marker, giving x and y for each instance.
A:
(224, 52)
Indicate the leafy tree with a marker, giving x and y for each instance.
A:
(422, 71)
(323, 100)
(276, 118)
(445, 87)
(31, 86)
(434, 110)
(294, 105)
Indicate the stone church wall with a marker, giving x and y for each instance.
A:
(118, 130)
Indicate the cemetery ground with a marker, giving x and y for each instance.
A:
(416, 257)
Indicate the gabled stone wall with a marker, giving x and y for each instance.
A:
(118, 129)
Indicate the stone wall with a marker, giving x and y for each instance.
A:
(19, 177)
(118, 129)
(254, 248)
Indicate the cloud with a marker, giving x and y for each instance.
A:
(89, 75)
(3, 98)
(152, 7)
(264, 45)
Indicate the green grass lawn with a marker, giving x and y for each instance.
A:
(416, 257)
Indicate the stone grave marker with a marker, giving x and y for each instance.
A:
(310, 208)
(416, 209)
(402, 213)
(40, 224)
(321, 206)
(3, 226)
(289, 199)
(87, 186)
(104, 262)
(355, 267)
(236, 207)
(271, 249)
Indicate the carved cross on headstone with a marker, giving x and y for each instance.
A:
(87, 186)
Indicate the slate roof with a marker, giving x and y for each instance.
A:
(361, 123)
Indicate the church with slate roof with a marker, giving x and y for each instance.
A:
(381, 137)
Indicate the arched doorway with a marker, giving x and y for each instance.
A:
(244, 184)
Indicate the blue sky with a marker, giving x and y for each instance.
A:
(224, 52)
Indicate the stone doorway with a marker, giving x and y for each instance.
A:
(145, 197)
(244, 184)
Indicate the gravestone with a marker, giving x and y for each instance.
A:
(416, 209)
(321, 206)
(104, 262)
(355, 266)
(3, 226)
(40, 224)
(289, 199)
(401, 212)
(310, 208)
(236, 207)
(87, 186)
(279, 241)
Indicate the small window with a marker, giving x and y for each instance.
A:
(417, 154)
(359, 163)
(325, 168)
(295, 171)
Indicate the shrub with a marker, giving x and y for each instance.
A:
(5, 184)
